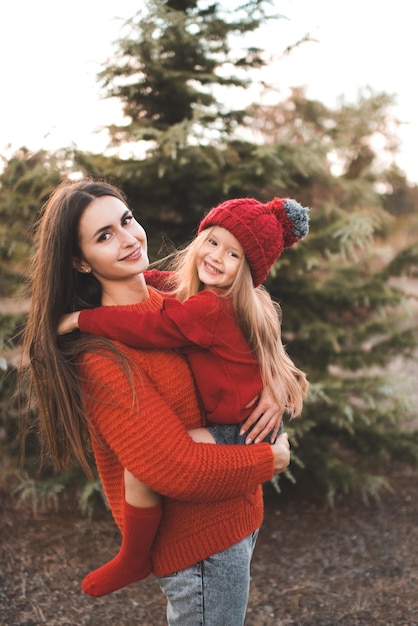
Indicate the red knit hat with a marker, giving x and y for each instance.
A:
(263, 230)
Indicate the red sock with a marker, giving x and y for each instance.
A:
(133, 562)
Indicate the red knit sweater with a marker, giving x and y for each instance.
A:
(212, 493)
(205, 327)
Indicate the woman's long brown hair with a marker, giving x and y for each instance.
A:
(56, 288)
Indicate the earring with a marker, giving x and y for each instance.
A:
(86, 271)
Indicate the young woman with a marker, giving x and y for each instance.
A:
(231, 331)
(133, 409)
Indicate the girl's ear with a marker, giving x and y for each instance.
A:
(81, 266)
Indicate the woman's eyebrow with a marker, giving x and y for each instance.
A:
(108, 226)
(102, 229)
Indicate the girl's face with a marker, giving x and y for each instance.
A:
(113, 245)
(219, 259)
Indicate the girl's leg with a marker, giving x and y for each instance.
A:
(213, 592)
(141, 518)
(201, 435)
(224, 434)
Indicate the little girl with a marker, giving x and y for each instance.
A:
(218, 314)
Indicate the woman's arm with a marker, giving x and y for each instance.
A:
(149, 440)
(266, 417)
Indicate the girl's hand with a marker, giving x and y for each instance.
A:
(266, 417)
(68, 323)
(281, 452)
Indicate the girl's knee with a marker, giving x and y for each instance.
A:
(138, 493)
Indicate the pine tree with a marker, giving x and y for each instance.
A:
(172, 73)
(25, 183)
(346, 320)
(176, 55)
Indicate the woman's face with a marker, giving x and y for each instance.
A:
(113, 245)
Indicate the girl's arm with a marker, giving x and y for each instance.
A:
(149, 440)
(160, 279)
(68, 323)
(175, 325)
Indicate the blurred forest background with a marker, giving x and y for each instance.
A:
(348, 292)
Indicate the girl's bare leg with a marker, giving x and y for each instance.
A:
(201, 435)
(138, 493)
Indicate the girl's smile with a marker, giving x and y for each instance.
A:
(211, 269)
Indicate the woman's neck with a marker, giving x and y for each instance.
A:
(119, 293)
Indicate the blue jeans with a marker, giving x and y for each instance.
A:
(213, 592)
(229, 433)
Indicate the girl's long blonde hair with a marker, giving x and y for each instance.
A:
(259, 318)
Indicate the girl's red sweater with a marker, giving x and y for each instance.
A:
(225, 370)
(212, 492)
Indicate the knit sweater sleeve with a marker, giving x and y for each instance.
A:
(148, 439)
(160, 279)
(175, 325)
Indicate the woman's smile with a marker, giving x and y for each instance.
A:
(134, 255)
(114, 246)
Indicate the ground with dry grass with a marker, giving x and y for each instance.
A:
(353, 565)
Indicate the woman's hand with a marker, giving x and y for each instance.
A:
(68, 323)
(266, 417)
(281, 452)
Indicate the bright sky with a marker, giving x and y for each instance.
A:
(51, 52)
